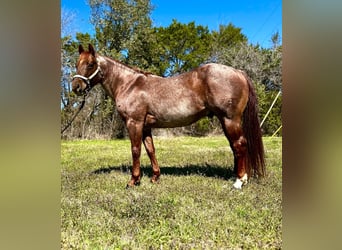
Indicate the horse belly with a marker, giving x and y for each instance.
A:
(180, 114)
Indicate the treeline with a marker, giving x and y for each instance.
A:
(124, 30)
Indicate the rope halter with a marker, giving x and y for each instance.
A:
(87, 79)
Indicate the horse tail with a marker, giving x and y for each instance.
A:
(252, 131)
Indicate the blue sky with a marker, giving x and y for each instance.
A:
(258, 19)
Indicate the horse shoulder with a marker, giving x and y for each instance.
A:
(131, 97)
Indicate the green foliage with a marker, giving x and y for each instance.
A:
(265, 99)
(228, 36)
(273, 120)
(184, 46)
(203, 126)
(124, 30)
(272, 68)
(193, 206)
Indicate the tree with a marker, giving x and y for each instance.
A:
(272, 68)
(67, 18)
(275, 39)
(228, 36)
(124, 30)
(183, 47)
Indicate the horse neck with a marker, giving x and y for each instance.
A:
(116, 75)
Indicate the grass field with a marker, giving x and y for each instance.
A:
(192, 207)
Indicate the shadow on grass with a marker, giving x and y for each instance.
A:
(201, 170)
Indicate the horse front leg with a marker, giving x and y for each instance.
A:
(149, 146)
(135, 135)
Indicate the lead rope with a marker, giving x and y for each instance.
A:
(87, 80)
(73, 118)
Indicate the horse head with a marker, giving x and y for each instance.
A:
(88, 71)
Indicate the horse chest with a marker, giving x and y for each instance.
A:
(131, 107)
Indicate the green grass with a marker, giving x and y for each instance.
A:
(192, 207)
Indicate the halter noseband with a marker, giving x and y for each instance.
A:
(87, 79)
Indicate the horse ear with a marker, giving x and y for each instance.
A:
(80, 48)
(91, 49)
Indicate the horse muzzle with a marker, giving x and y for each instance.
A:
(81, 84)
(79, 87)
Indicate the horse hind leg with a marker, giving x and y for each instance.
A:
(149, 146)
(233, 131)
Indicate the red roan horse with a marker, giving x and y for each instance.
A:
(147, 101)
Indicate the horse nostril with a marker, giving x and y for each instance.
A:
(76, 88)
(79, 91)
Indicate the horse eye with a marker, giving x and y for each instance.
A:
(90, 65)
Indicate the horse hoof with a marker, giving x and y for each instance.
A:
(239, 182)
(155, 179)
(130, 185)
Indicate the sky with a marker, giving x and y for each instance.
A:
(259, 20)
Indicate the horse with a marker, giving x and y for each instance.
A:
(145, 101)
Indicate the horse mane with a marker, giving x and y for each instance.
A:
(135, 69)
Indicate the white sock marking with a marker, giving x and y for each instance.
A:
(239, 182)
